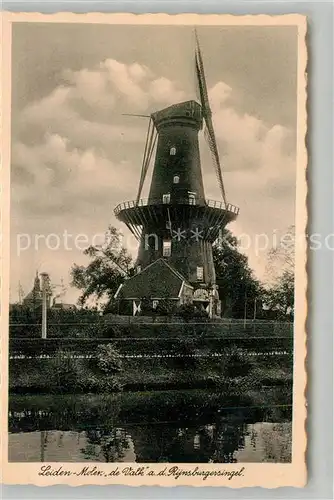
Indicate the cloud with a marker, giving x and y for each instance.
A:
(69, 146)
(90, 87)
(259, 170)
(218, 95)
(164, 91)
(54, 177)
(87, 107)
(126, 81)
(56, 114)
(260, 155)
(139, 72)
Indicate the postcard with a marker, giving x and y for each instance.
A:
(153, 287)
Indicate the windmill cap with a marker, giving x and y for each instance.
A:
(188, 113)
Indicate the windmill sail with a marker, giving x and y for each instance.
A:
(207, 115)
(149, 147)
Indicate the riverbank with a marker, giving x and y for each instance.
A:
(230, 373)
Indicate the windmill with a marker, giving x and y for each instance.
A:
(176, 226)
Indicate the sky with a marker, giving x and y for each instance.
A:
(75, 156)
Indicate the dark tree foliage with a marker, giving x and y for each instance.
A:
(191, 311)
(109, 264)
(280, 297)
(237, 285)
(23, 321)
(19, 313)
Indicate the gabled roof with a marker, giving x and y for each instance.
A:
(157, 280)
(177, 273)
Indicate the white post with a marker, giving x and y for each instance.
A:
(44, 304)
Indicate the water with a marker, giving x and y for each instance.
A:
(168, 426)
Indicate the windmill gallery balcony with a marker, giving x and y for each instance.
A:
(210, 215)
(145, 202)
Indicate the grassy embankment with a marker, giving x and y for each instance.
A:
(182, 365)
(230, 373)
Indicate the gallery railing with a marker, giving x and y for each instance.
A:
(183, 201)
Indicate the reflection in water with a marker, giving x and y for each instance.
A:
(106, 445)
(218, 436)
(215, 442)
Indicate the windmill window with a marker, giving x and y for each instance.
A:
(172, 151)
(155, 304)
(166, 198)
(199, 273)
(192, 198)
(176, 179)
(166, 248)
(138, 269)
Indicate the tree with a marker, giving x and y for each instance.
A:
(281, 257)
(237, 286)
(20, 313)
(280, 297)
(24, 321)
(110, 264)
(280, 270)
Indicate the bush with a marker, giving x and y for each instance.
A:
(190, 311)
(65, 373)
(164, 308)
(237, 365)
(108, 359)
(102, 384)
(185, 349)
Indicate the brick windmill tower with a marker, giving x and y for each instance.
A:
(176, 226)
